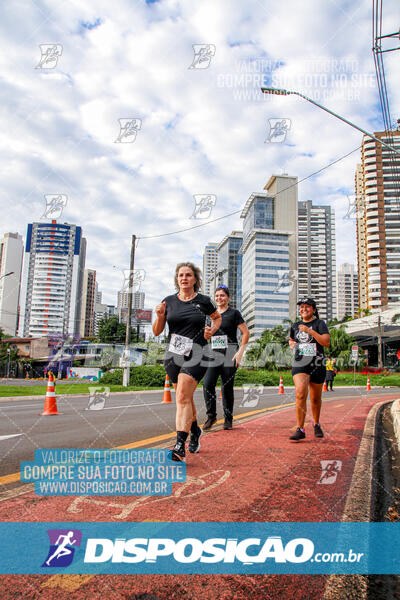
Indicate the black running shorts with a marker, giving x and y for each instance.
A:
(195, 364)
(317, 373)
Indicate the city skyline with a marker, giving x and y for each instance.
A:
(209, 132)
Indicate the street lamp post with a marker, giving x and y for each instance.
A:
(126, 355)
(7, 274)
(282, 92)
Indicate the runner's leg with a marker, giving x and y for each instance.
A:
(209, 383)
(184, 402)
(315, 400)
(301, 381)
(228, 379)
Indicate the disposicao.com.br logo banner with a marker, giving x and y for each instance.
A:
(129, 548)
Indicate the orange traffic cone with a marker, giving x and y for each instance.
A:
(325, 388)
(166, 399)
(368, 388)
(50, 402)
(220, 394)
(281, 389)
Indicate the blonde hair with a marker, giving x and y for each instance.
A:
(196, 273)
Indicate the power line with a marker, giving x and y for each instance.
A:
(148, 237)
(377, 37)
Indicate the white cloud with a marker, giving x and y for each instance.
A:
(203, 130)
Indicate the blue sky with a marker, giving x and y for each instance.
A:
(199, 130)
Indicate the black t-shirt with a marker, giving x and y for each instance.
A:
(231, 318)
(303, 349)
(188, 318)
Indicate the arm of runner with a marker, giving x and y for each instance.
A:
(322, 338)
(159, 323)
(237, 359)
(216, 324)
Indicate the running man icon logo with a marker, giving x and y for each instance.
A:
(286, 281)
(61, 551)
(138, 275)
(50, 54)
(203, 205)
(278, 129)
(251, 395)
(330, 470)
(355, 209)
(97, 397)
(55, 204)
(128, 129)
(203, 54)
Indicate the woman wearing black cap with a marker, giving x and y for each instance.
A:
(308, 338)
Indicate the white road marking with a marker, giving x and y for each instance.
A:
(128, 406)
(6, 437)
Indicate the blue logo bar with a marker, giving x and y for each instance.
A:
(207, 548)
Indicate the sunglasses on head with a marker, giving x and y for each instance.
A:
(221, 287)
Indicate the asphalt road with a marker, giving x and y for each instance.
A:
(113, 421)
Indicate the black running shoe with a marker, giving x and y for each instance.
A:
(227, 424)
(178, 452)
(209, 423)
(318, 431)
(194, 441)
(298, 435)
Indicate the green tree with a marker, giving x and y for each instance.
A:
(271, 350)
(363, 312)
(111, 331)
(341, 343)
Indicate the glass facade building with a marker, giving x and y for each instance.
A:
(268, 255)
(230, 266)
(264, 303)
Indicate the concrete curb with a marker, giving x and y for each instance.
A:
(395, 411)
(358, 508)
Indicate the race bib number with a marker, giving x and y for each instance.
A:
(179, 344)
(308, 349)
(219, 342)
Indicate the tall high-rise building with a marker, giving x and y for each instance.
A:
(347, 291)
(137, 300)
(269, 255)
(230, 266)
(377, 184)
(210, 267)
(359, 213)
(88, 303)
(51, 288)
(317, 257)
(11, 253)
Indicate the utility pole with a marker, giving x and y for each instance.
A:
(126, 372)
(380, 361)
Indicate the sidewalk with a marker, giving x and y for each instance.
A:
(252, 473)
